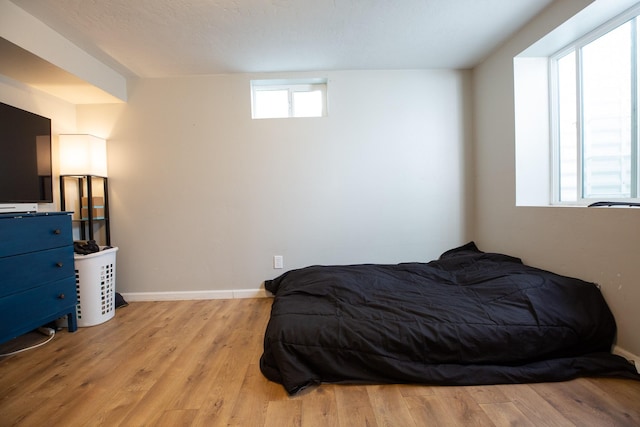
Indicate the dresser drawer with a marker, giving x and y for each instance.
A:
(24, 234)
(27, 271)
(35, 307)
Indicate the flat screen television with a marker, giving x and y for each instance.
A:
(25, 159)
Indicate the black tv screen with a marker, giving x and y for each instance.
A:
(25, 157)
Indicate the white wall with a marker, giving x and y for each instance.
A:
(599, 245)
(202, 196)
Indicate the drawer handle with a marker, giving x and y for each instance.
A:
(59, 264)
(57, 231)
(61, 296)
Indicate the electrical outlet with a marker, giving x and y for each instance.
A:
(278, 261)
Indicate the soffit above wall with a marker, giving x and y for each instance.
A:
(25, 67)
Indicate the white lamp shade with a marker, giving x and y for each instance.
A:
(82, 155)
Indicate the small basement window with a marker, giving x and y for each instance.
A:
(272, 99)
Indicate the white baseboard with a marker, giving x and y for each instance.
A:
(628, 355)
(195, 295)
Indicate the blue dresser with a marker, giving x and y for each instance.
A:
(37, 274)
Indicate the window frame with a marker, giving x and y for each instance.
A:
(292, 87)
(576, 47)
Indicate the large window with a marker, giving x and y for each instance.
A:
(271, 99)
(595, 116)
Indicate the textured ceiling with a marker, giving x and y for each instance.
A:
(160, 38)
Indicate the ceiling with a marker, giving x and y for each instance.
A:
(163, 38)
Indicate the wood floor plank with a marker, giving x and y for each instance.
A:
(177, 372)
(447, 409)
(581, 405)
(176, 418)
(237, 359)
(201, 361)
(284, 413)
(625, 392)
(354, 406)
(506, 414)
(487, 394)
(221, 397)
(250, 408)
(49, 399)
(622, 400)
(197, 363)
(319, 407)
(416, 390)
(539, 411)
(99, 381)
(389, 406)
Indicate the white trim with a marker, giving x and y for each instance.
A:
(628, 355)
(289, 82)
(195, 295)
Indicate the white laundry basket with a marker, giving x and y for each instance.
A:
(96, 286)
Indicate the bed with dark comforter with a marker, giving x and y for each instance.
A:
(467, 318)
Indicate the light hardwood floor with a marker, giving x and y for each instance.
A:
(196, 363)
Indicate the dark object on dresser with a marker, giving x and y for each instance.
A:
(85, 247)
